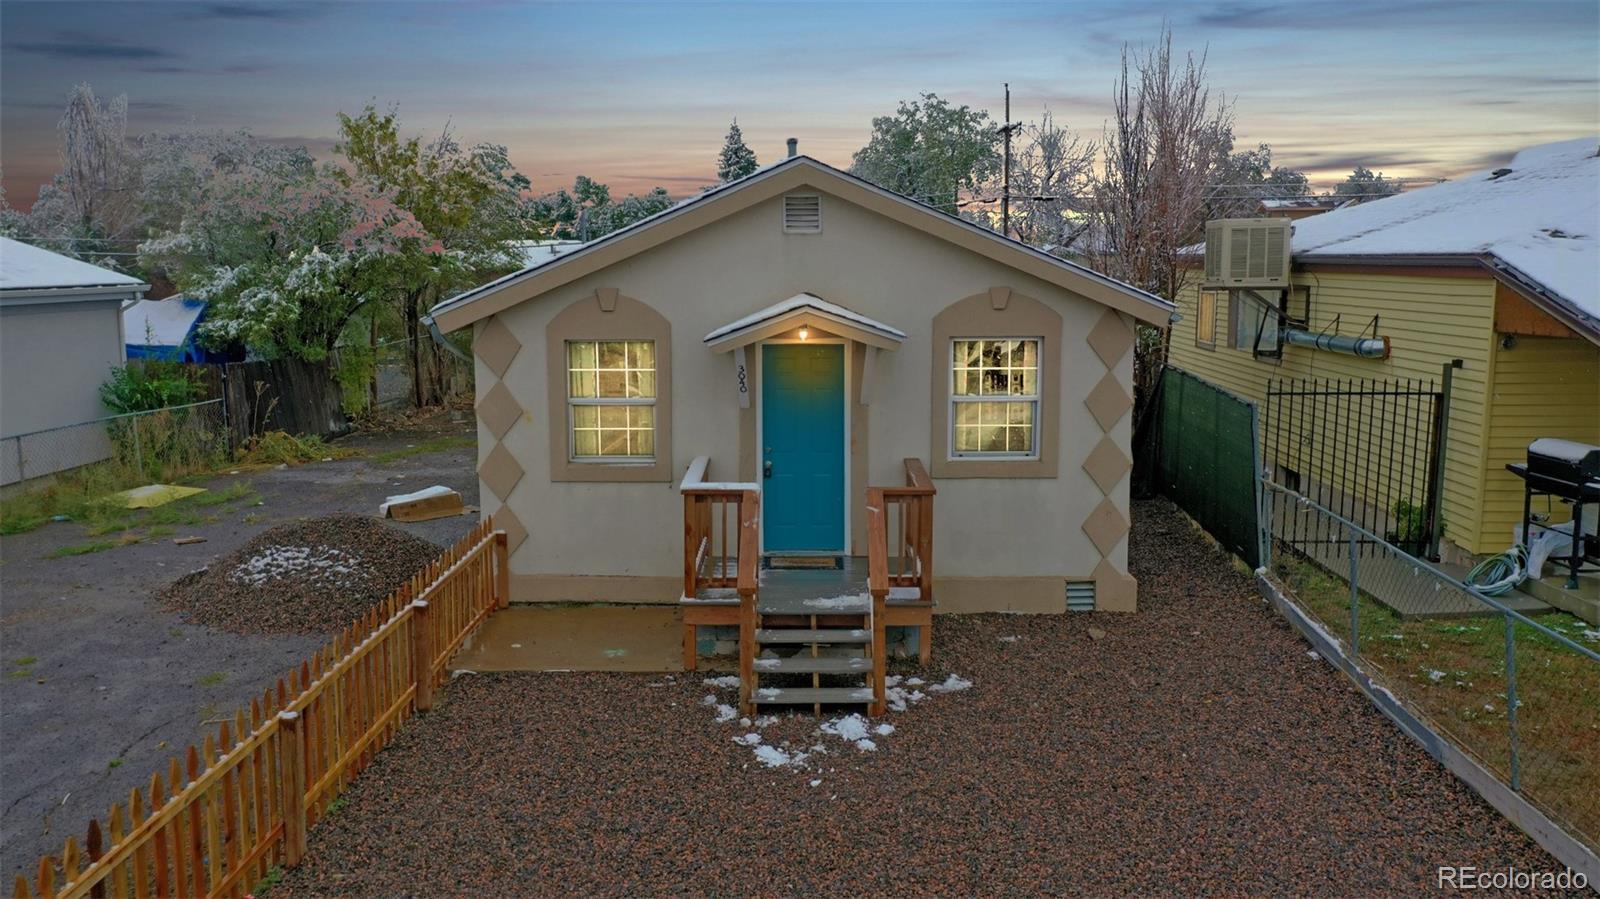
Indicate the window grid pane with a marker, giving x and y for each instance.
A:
(611, 388)
(982, 373)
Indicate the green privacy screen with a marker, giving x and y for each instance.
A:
(1202, 453)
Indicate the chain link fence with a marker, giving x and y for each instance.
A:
(1519, 695)
(144, 446)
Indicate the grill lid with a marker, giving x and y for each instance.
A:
(1566, 459)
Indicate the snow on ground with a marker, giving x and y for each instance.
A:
(322, 563)
(854, 730)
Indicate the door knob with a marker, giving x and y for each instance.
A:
(766, 469)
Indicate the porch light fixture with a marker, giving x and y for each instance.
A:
(805, 333)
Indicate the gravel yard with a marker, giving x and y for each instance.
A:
(1194, 747)
(102, 685)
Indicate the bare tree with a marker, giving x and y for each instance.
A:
(1051, 184)
(1161, 153)
(101, 174)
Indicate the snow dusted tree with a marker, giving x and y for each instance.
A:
(464, 209)
(92, 207)
(930, 151)
(1161, 155)
(1245, 178)
(1363, 184)
(736, 160)
(588, 212)
(1051, 185)
(284, 250)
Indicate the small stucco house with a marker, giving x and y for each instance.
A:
(805, 336)
(60, 336)
(1498, 269)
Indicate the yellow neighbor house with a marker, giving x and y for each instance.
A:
(1499, 269)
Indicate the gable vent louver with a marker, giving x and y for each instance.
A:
(1080, 596)
(802, 214)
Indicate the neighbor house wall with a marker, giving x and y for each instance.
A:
(999, 542)
(1430, 319)
(53, 359)
(1542, 387)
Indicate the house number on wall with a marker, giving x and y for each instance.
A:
(744, 377)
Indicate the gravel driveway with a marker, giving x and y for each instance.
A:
(1191, 748)
(113, 685)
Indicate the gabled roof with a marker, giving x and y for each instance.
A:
(162, 323)
(771, 181)
(27, 267)
(1536, 223)
(798, 309)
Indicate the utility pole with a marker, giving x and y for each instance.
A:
(1005, 177)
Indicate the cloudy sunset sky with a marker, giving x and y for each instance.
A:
(641, 94)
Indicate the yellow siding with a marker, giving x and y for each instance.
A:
(1428, 320)
(1543, 387)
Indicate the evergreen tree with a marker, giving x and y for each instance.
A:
(736, 160)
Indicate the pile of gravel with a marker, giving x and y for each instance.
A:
(312, 576)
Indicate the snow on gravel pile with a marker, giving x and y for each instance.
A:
(311, 576)
(853, 730)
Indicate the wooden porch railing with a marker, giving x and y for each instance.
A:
(748, 580)
(713, 522)
(908, 513)
(906, 575)
(217, 822)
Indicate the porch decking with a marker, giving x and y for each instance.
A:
(818, 633)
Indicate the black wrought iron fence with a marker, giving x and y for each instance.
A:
(1370, 449)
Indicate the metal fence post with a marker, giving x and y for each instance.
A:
(1436, 476)
(1355, 593)
(138, 452)
(1511, 700)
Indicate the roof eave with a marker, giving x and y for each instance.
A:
(25, 296)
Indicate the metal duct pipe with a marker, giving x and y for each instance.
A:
(1365, 347)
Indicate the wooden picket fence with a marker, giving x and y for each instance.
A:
(215, 823)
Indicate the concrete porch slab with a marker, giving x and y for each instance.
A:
(1583, 602)
(576, 638)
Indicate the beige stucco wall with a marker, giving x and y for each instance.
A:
(1013, 528)
(53, 359)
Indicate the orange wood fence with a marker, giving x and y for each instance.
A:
(214, 823)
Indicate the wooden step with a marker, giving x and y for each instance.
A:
(809, 665)
(810, 695)
(820, 635)
(831, 605)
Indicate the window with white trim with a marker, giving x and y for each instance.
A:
(994, 398)
(611, 400)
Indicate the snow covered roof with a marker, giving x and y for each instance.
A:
(535, 252)
(167, 322)
(27, 267)
(692, 212)
(1537, 220)
(777, 317)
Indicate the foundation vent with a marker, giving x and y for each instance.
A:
(1080, 596)
(802, 214)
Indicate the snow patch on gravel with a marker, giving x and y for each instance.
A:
(318, 563)
(730, 682)
(952, 684)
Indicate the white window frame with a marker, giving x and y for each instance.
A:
(952, 399)
(573, 402)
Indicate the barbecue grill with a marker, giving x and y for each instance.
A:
(1569, 471)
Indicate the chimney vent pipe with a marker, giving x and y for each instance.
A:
(794, 146)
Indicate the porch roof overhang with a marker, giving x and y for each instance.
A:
(804, 308)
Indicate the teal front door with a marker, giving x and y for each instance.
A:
(802, 436)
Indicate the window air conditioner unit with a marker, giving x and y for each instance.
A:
(1247, 252)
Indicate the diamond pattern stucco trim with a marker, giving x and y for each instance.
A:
(1111, 338)
(499, 409)
(1108, 402)
(1106, 464)
(500, 471)
(496, 346)
(507, 520)
(1106, 526)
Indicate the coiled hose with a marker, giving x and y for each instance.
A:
(1498, 575)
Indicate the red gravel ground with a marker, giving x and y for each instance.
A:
(1195, 748)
